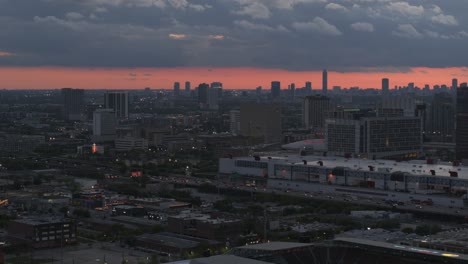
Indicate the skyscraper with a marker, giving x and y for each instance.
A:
(454, 85)
(234, 122)
(275, 89)
(314, 110)
(117, 101)
(187, 87)
(385, 85)
(176, 88)
(324, 81)
(308, 88)
(203, 95)
(461, 139)
(73, 103)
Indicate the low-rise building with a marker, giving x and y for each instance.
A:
(42, 232)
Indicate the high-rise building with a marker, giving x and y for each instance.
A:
(187, 87)
(176, 89)
(275, 90)
(117, 101)
(324, 81)
(375, 137)
(234, 122)
(292, 88)
(73, 104)
(441, 118)
(203, 95)
(385, 85)
(454, 85)
(258, 91)
(104, 125)
(261, 121)
(308, 88)
(461, 138)
(213, 98)
(314, 111)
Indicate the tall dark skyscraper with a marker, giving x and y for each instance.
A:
(462, 124)
(308, 88)
(203, 95)
(176, 88)
(324, 81)
(73, 103)
(454, 84)
(118, 101)
(187, 87)
(385, 85)
(275, 89)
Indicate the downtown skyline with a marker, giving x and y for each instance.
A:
(232, 78)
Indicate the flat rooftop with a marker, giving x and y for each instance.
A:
(41, 221)
(414, 167)
(226, 259)
(423, 251)
(276, 246)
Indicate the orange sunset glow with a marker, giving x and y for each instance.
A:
(232, 78)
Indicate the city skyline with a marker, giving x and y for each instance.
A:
(164, 78)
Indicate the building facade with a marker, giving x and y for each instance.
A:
(118, 101)
(42, 233)
(73, 104)
(261, 121)
(314, 112)
(462, 124)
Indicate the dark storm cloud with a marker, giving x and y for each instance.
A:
(289, 34)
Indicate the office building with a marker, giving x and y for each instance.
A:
(275, 90)
(234, 122)
(308, 88)
(42, 233)
(213, 98)
(461, 138)
(13, 143)
(203, 95)
(292, 91)
(73, 104)
(118, 101)
(324, 82)
(104, 125)
(176, 89)
(441, 118)
(314, 111)
(261, 121)
(128, 143)
(187, 87)
(375, 136)
(385, 86)
(407, 103)
(454, 84)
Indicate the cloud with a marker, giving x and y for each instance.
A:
(405, 8)
(407, 31)
(447, 20)
(255, 10)
(363, 26)
(6, 54)
(74, 16)
(334, 6)
(318, 25)
(177, 36)
(256, 26)
(216, 37)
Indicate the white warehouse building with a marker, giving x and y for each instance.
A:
(407, 180)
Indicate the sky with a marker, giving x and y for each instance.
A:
(125, 44)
